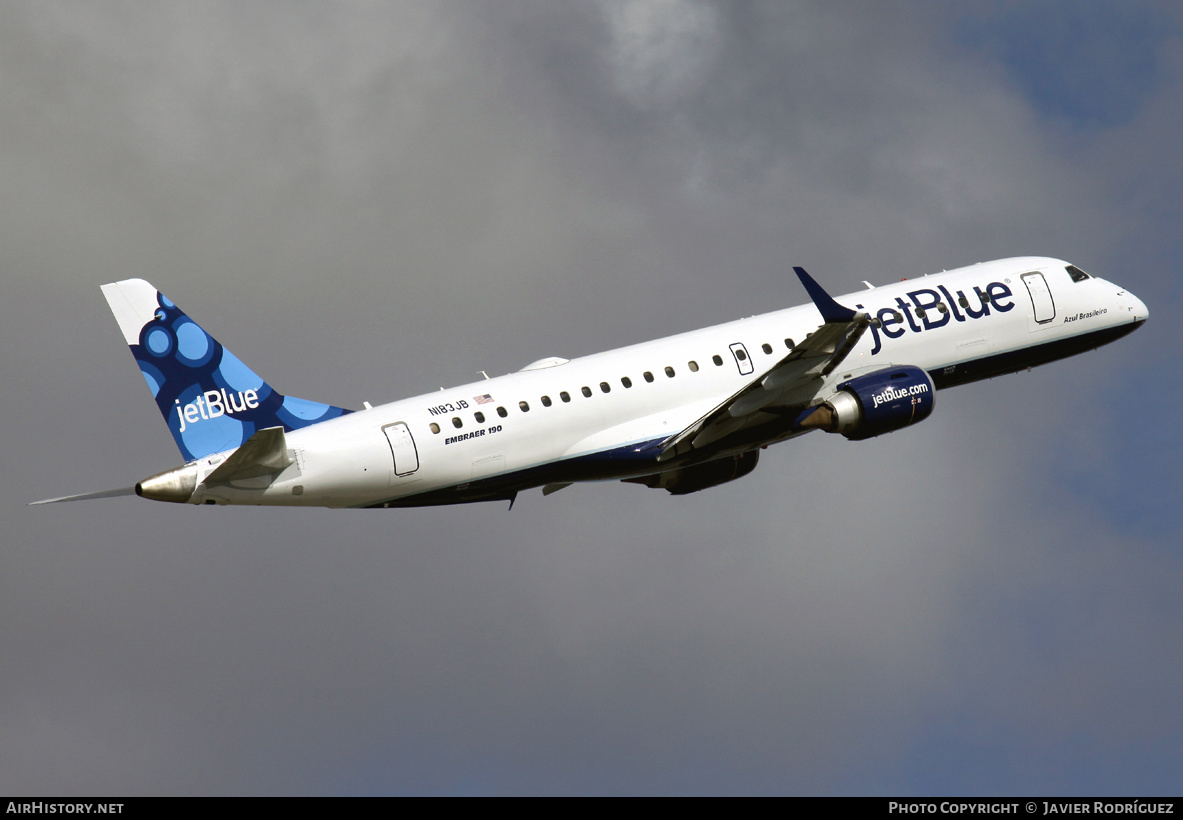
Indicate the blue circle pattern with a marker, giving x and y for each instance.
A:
(184, 366)
(159, 341)
(236, 376)
(153, 377)
(191, 341)
(194, 346)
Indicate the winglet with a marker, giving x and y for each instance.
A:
(831, 311)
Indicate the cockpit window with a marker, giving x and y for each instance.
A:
(1077, 274)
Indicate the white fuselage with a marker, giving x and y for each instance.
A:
(516, 431)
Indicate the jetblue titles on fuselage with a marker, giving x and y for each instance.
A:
(894, 322)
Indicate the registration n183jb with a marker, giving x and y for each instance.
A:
(682, 413)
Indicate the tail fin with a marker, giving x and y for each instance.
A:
(210, 400)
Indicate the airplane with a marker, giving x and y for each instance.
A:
(683, 413)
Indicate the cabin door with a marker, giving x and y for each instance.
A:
(402, 448)
(1041, 297)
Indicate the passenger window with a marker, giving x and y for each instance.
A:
(435, 428)
(767, 348)
(718, 360)
(741, 354)
(789, 344)
(479, 416)
(565, 396)
(457, 423)
(605, 387)
(501, 411)
(546, 401)
(626, 381)
(693, 366)
(941, 307)
(961, 300)
(669, 371)
(648, 376)
(525, 407)
(586, 391)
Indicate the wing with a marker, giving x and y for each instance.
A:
(789, 386)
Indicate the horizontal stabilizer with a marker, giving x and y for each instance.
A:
(85, 496)
(264, 453)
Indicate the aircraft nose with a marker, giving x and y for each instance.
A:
(1137, 307)
(1129, 304)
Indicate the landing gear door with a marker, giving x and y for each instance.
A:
(742, 360)
(402, 448)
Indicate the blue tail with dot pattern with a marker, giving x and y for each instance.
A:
(210, 400)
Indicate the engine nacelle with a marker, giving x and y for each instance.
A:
(875, 404)
(700, 476)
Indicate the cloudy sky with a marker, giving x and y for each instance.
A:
(367, 201)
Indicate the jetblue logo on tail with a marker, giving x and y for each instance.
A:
(214, 403)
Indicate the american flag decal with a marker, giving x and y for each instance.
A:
(485, 399)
